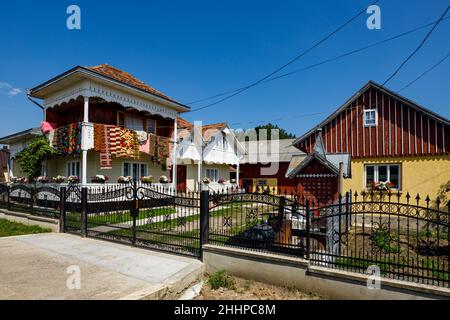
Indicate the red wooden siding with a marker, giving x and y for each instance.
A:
(402, 130)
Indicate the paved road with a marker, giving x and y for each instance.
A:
(35, 267)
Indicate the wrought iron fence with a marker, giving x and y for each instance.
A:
(403, 238)
(34, 199)
(406, 238)
(258, 221)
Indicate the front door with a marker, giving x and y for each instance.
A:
(181, 178)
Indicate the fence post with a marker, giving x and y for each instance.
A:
(9, 196)
(32, 191)
(134, 213)
(340, 224)
(84, 212)
(204, 220)
(347, 210)
(62, 209)
(308, 227)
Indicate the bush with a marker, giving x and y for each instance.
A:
(221, 280)
(30, 158)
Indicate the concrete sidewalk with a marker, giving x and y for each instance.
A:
(35, 267)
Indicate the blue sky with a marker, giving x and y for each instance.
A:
(194, 49)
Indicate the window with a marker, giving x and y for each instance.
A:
(224, 141)
(213, 174)
(135, 170)
(382, 173)
(151, 126)
(134, 123)
(73, 168)
(370, 118)
(121, 119)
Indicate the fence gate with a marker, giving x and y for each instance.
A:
(71, 209)
(135, 214)
(258, 221)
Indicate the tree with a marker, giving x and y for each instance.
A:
(283, 134)
(30, 158)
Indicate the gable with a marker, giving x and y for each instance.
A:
(403, 128)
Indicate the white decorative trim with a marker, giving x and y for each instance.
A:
(317, 175)
(91, 89)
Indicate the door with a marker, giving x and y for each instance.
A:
(181, 178)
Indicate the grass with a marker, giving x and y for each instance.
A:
(9, 228)
(221, 279)
(118, 217)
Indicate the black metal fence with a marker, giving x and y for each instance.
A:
(406, 238)
(135, 214)
(28, 198)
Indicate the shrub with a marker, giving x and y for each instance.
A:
(221, 280)
(30, 158)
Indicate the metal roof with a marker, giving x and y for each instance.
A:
(265, 151)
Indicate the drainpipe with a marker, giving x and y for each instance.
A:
(37, 103)
(341, 178)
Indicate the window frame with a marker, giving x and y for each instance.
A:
(69, 167)
(366, 111)
(388, 173)
(216, 175)
(145, 121)
(139, 165)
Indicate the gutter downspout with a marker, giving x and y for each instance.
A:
(36, 103)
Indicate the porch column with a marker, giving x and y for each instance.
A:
(174, 156)
(199, 167)
(84, 152)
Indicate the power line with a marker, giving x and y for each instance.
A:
(425, 72)
(327, 60)
(288, 63)
(418, 48)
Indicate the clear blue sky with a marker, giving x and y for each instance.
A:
(193, 49)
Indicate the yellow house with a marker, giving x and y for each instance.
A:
(392, 142)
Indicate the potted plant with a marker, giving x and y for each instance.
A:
(73, 179)
(147, 179)
(99, 178)
(383, 186)
(232, 180)
(19, 180)
(206, 180)
(163, 179)
(42, 179)
(59, 179)
(123, 179)
(221, 180)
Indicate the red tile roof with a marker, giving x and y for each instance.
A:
(184, 124)
(208, 130)
(126, 78)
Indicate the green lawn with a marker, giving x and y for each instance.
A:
(9, 228)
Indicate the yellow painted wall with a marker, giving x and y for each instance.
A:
(58, 166)
(270, 182)
(423, 175)
(192, 173)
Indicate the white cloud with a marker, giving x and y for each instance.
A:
(6, 88)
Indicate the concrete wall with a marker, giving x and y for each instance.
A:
(329, 283)
(423, 175)
(28, 219)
